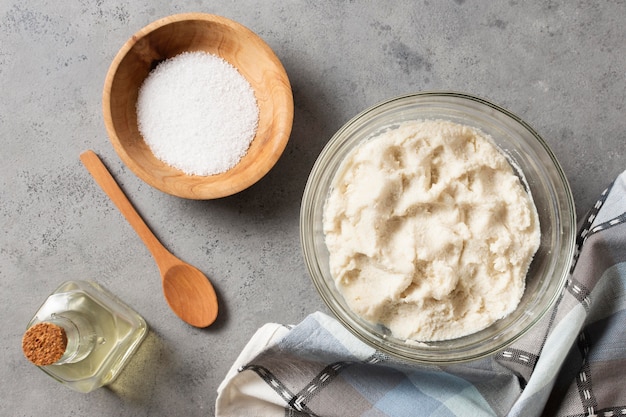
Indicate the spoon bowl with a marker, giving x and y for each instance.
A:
(187, 290)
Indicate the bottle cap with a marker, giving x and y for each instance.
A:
(44, 343)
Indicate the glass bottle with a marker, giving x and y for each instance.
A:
(87, 332)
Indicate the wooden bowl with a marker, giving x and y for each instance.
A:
(234, 43)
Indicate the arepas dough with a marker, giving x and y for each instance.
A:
(430, 232)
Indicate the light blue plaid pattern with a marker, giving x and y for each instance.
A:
(572, 364)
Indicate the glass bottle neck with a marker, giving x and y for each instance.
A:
(81, 337)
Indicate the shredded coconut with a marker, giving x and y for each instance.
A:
(197, 113)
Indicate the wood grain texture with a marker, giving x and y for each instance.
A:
(187, 290)
(236, 44)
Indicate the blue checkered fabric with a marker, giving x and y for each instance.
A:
(571, 364)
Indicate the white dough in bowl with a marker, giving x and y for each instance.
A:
(430, 232)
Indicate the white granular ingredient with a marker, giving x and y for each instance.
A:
(197, 113)
(429, 231)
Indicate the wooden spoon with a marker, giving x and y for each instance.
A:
(187, 290)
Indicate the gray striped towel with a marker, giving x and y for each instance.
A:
(572, 364)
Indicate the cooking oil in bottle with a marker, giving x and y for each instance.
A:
(83, 335)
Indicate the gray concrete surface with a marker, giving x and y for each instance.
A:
(561, 65)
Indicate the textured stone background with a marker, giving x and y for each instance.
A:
(560, 65)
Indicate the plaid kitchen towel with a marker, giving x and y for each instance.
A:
(572, 364)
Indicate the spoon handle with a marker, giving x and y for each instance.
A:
(105, 180)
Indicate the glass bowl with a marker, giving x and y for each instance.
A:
(550, 190)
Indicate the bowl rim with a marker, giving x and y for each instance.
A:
(412, 354)
(279, 139)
